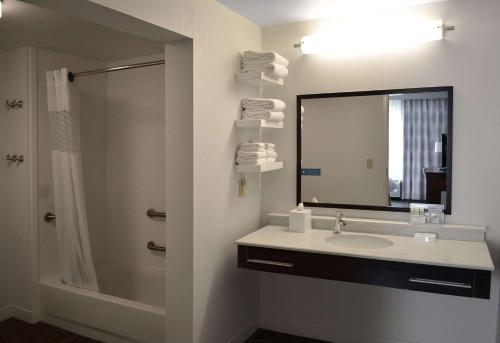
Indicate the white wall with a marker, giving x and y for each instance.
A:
(15, 226)
(174, 15)
(468, 60)
(339, 135)
(4, 236)
(135, 140)
(225, 297)
(179, 187)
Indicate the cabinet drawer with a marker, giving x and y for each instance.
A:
(357, 270)
(443, 280)
(268, 260)
(416, 277)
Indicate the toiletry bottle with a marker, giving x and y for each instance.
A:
(300, 219)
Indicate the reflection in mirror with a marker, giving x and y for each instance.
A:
(379, 150)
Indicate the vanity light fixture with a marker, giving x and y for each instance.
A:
(365, 37)
(1, 9)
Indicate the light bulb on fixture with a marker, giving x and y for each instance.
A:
(1, 9)
(371, 36)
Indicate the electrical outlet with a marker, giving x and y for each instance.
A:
(369, 163)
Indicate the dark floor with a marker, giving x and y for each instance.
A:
(16, 331)
(266, 336)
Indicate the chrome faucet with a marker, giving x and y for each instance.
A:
(339, 221)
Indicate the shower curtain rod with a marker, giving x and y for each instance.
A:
(71, 76)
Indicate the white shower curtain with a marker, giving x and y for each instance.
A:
(69, 197)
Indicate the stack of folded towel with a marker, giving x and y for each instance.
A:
(268, 62)
(256, 154)
(267, 109)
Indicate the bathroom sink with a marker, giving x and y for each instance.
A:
(359, 241)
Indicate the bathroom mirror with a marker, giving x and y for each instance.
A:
(375, 150)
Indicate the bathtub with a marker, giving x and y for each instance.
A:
(129, 308)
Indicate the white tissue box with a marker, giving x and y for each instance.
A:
(300, 220)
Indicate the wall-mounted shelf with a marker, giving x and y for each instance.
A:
(257, 124)
(262, 168)
(259, 78)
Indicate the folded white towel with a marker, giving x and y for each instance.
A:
(274, 70)
(251, 56)
(253, 154)
(256, 154)
(270, 145)
(252, 162)
(250, 150)
(253, 145)
(263, 114)
(275, 105)
(255, 162)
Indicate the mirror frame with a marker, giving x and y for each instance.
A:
(449, 155)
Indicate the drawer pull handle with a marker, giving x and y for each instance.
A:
(270, 263)
(441, 283)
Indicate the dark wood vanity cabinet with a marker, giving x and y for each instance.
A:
(416, 277)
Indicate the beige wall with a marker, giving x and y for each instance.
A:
(467, 60)
(15, 204)
(339, 135)
(135, 181)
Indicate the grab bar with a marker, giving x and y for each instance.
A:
(49, 216)
(152, 246)
(152, 213)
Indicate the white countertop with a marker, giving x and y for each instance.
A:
(442, 252)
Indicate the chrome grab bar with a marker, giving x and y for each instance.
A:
(152, 213)
(152, 246)
(49, 216)
(270, 263)
(441, 283)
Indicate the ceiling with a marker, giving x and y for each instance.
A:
(28, 25)
(275, 12)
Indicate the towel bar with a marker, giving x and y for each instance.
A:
(152, 213)
(152, 246)
(14, 103)
(14, 158)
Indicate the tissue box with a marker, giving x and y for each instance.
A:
(300, 220)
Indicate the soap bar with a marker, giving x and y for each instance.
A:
(300, 220)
